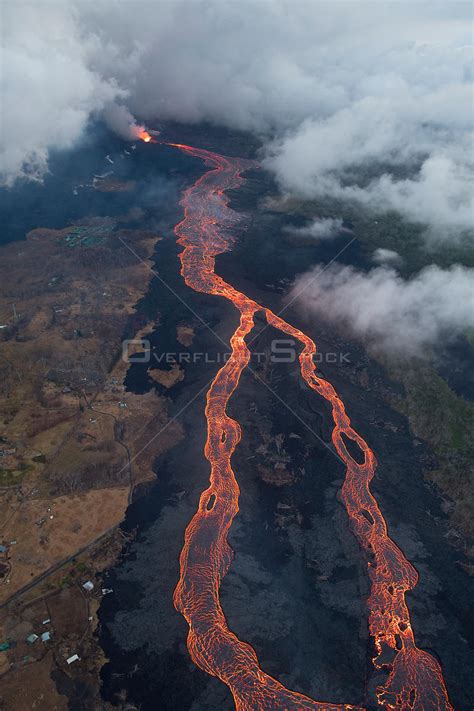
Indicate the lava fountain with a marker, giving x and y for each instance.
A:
(140, 133)
(143, 135)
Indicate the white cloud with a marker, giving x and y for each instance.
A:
(48, 89)
(327, 156)
(386, 256)
(390, 314)
(321, 228)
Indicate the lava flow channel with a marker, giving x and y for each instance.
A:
(415, 680)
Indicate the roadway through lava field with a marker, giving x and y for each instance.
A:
(415, 679)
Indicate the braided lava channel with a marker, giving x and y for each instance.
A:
(415, 681)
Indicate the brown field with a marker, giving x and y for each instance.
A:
(73, 443)
(77, 520)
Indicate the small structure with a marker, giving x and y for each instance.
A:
(106, 591)
(31, 639)
(46, 637)
(3, 549)
(46, 621)
(73, 658)
(88, 585)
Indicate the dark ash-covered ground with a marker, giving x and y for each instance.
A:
(297, 585)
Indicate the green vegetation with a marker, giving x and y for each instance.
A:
(445, 421)
(87, 236)
(437, 414)
(388, 230)
(470, 337)
(66, 582)
(13, 477)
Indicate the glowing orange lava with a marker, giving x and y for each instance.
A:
(142, 134)
(415, 681)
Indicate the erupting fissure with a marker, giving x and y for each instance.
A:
(142, 134)
(414, 677)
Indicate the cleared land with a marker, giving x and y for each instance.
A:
(73, 442)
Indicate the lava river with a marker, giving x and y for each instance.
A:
(414, 680)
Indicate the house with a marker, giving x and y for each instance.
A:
(88, 585)
(31, 639)
(73, 658)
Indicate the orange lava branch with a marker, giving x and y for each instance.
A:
(415, 681)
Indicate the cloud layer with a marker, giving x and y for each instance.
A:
(341, 89)
(49, 88)
(320, 228)
(396, 316)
